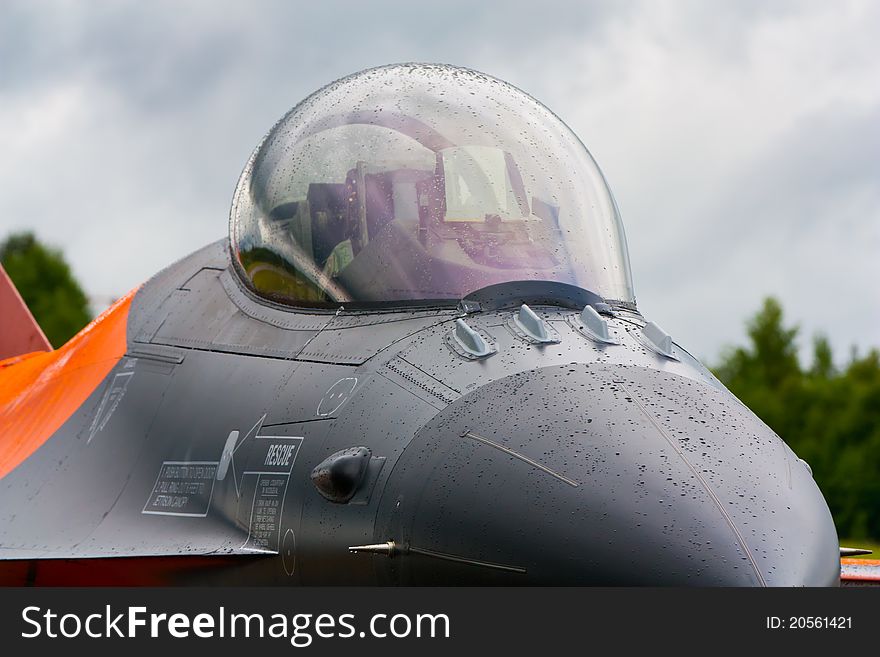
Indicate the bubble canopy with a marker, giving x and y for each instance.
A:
(422, 183)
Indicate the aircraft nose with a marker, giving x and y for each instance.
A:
(604, 475)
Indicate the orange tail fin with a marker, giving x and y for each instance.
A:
(19, 331)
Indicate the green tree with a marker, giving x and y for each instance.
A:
(761, 373)
(47, 286)
(830, 418)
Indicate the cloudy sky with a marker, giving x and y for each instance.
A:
(741, 139)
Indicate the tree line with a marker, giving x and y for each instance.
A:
(829, 415)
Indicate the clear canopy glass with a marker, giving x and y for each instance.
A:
(414, 183)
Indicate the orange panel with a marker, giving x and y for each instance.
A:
(865, 571)
(40, 391)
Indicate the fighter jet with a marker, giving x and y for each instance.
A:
(417, 359)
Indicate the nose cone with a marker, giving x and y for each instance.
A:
(601, 475)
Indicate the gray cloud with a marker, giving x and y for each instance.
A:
(741, 139)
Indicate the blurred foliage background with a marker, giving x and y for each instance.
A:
(46, 284)
(829, 415)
